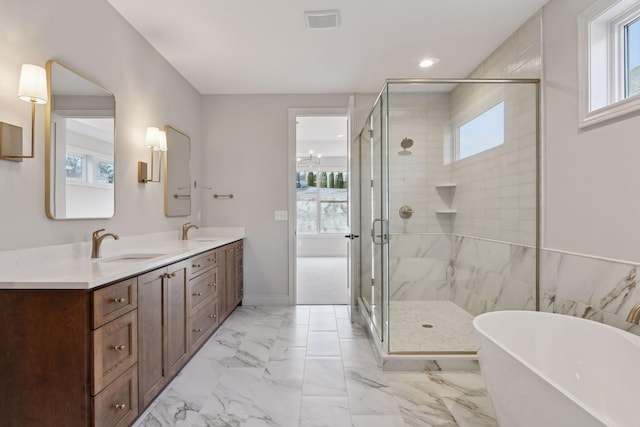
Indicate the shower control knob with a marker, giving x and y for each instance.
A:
(351, 236)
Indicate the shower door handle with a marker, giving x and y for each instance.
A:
(373, 232)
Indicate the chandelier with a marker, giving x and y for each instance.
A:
(309, 161)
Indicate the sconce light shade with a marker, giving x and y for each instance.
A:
(156, 140)
(163, 140)
(153, 138)
(33, 84)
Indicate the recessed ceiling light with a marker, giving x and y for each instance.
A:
(426, 63)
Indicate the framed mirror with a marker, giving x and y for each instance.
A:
(177, 173)
(79, 146)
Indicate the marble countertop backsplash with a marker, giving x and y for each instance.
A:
(70, 266)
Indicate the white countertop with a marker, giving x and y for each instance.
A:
(30, 269)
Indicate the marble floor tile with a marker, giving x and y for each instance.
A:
(308, 366)
(288, 366)
(320, 411)
(357, 353)
(342, 311)
(322, 322)
(323, 344)
(347, 329)
(324, 376)
(369, 392)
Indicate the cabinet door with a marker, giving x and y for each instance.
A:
(239, 272)
(222, 283)
(152, 312)
(230, 258)
(177, 312)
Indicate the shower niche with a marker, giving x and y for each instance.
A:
(469, 243)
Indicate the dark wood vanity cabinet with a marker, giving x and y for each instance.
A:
(69, 357)
(162, 328)
(233, 283)
(99, 357)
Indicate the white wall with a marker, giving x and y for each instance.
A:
(92, 38)
(246, 149)
(591, 176)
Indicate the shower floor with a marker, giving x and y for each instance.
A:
(451, 331)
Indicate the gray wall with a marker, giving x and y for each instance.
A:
(246, 152)
(92, 38)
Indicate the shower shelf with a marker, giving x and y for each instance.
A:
(446, 185)
(447, 211)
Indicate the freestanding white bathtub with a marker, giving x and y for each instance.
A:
(552, 370)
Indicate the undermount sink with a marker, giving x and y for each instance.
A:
(130, 257)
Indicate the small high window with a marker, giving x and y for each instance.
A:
(632, 60)
(609, 69)
(481, 133)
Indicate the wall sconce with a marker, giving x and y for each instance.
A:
(32, 88)
(156, 142)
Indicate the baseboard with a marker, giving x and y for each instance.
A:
(277, 300)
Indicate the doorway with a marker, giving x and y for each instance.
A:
(322, 209)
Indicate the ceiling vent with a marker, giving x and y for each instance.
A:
(322, 19)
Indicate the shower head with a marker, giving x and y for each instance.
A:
(405, 143)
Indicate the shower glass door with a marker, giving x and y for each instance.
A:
(379, 223)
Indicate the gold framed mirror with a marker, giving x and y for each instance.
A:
(79, 146)
(177, 173)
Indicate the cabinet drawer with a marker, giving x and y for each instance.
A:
(201, 263)
(203, 323)
(113, 301)
(203, 287)
(115, 349)
(117, 405)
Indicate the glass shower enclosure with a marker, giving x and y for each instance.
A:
(449, 209)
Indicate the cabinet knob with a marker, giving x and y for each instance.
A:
(212, 285)
(212, 316)
(120, 406)
(197, 330)
(173, 275)
(119, 347)
(199, 294)
(119, 300)
(196, 265)
(212, 259)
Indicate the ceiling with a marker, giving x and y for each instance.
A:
(264, 47)
(324, 135)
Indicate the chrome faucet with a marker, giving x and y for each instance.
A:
(96, 241)
(185, 230)
(634, 314)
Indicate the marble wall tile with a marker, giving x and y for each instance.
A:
(597, 289)
(420, 246)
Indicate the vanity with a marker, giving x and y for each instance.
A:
(93, 342)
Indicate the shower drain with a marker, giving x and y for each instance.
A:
(428, 326)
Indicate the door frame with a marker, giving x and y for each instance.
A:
(291, 184)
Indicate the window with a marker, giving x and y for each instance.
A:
(322, 202)
(76, 166)
(609, 69)
(89, 168)
(105, 172)
(632, 58)
(482, 133)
